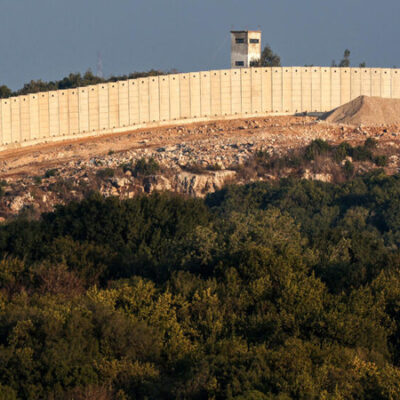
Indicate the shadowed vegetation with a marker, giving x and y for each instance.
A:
(264, 291)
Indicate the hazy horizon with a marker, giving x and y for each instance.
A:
(47, 40)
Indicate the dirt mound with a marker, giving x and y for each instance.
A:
(364, 110)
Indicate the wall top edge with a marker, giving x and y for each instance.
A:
(204, 73)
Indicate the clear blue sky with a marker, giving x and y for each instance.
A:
(47, 39)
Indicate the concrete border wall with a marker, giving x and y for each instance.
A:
(184, 98)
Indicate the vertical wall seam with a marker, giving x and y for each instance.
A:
(282, 91)
(149, 99)
(99, 109)
(211, 110)
(88, 109)
(169, 97)
(200, 85)
(20, 121)
(251, 91)
(272, 89)
(159, 98)
(68, 115)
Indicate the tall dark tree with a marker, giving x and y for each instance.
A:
(345, 63)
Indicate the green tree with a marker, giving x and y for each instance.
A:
(268, 58)
(345, 62)
(5, 92)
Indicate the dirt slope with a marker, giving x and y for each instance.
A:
(368, 111)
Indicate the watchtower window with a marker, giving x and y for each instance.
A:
(239, 40)
(239, 63)
(254, 41)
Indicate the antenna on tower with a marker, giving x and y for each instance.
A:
(99, 71)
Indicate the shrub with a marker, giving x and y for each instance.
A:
(361, 153)
(316, 148)
(37, 180)
(348, 169)
(105, 173)
(342, 151)
(2, 185)
(370, 143)
(145, 167)
(50, 172)
(214, 167)
(381, 161)
(194, 168)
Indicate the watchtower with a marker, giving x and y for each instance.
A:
(245, 48)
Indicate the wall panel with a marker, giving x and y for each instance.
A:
(315, 89)
(205, 87)
(266, 82)
(154, 101)
(15, 120)
(54, 121)
(396, 84)
(335, 87)
(226, 103)
(296, 90)
(34, 116)
(164, 98)
(113, 104)
(365, 82)
(195, 103)
(94, 108)
(123, 96)
(236, 88)
(355, 83)
(73, 102)
(184, 82)
(44, 123)
(215, 78)
(306, 89)
(325, 89)
(104, 121)
(144, 100)
(277, 89)
(174, 97)
(6, 120)
(63, 113)
(83, 99)
(134, 112)
(287, 89)
(25, 119)
(345, 79)
(256, 90)
(376, 82)
(245, 77)
(386, 83)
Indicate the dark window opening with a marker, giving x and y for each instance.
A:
(239, 40)
(254, 41)
(239, 63)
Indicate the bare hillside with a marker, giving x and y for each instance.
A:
(192, 159)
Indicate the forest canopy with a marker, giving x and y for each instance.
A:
(265, 291)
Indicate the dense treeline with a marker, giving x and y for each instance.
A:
(72, 81)
(285, 291)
